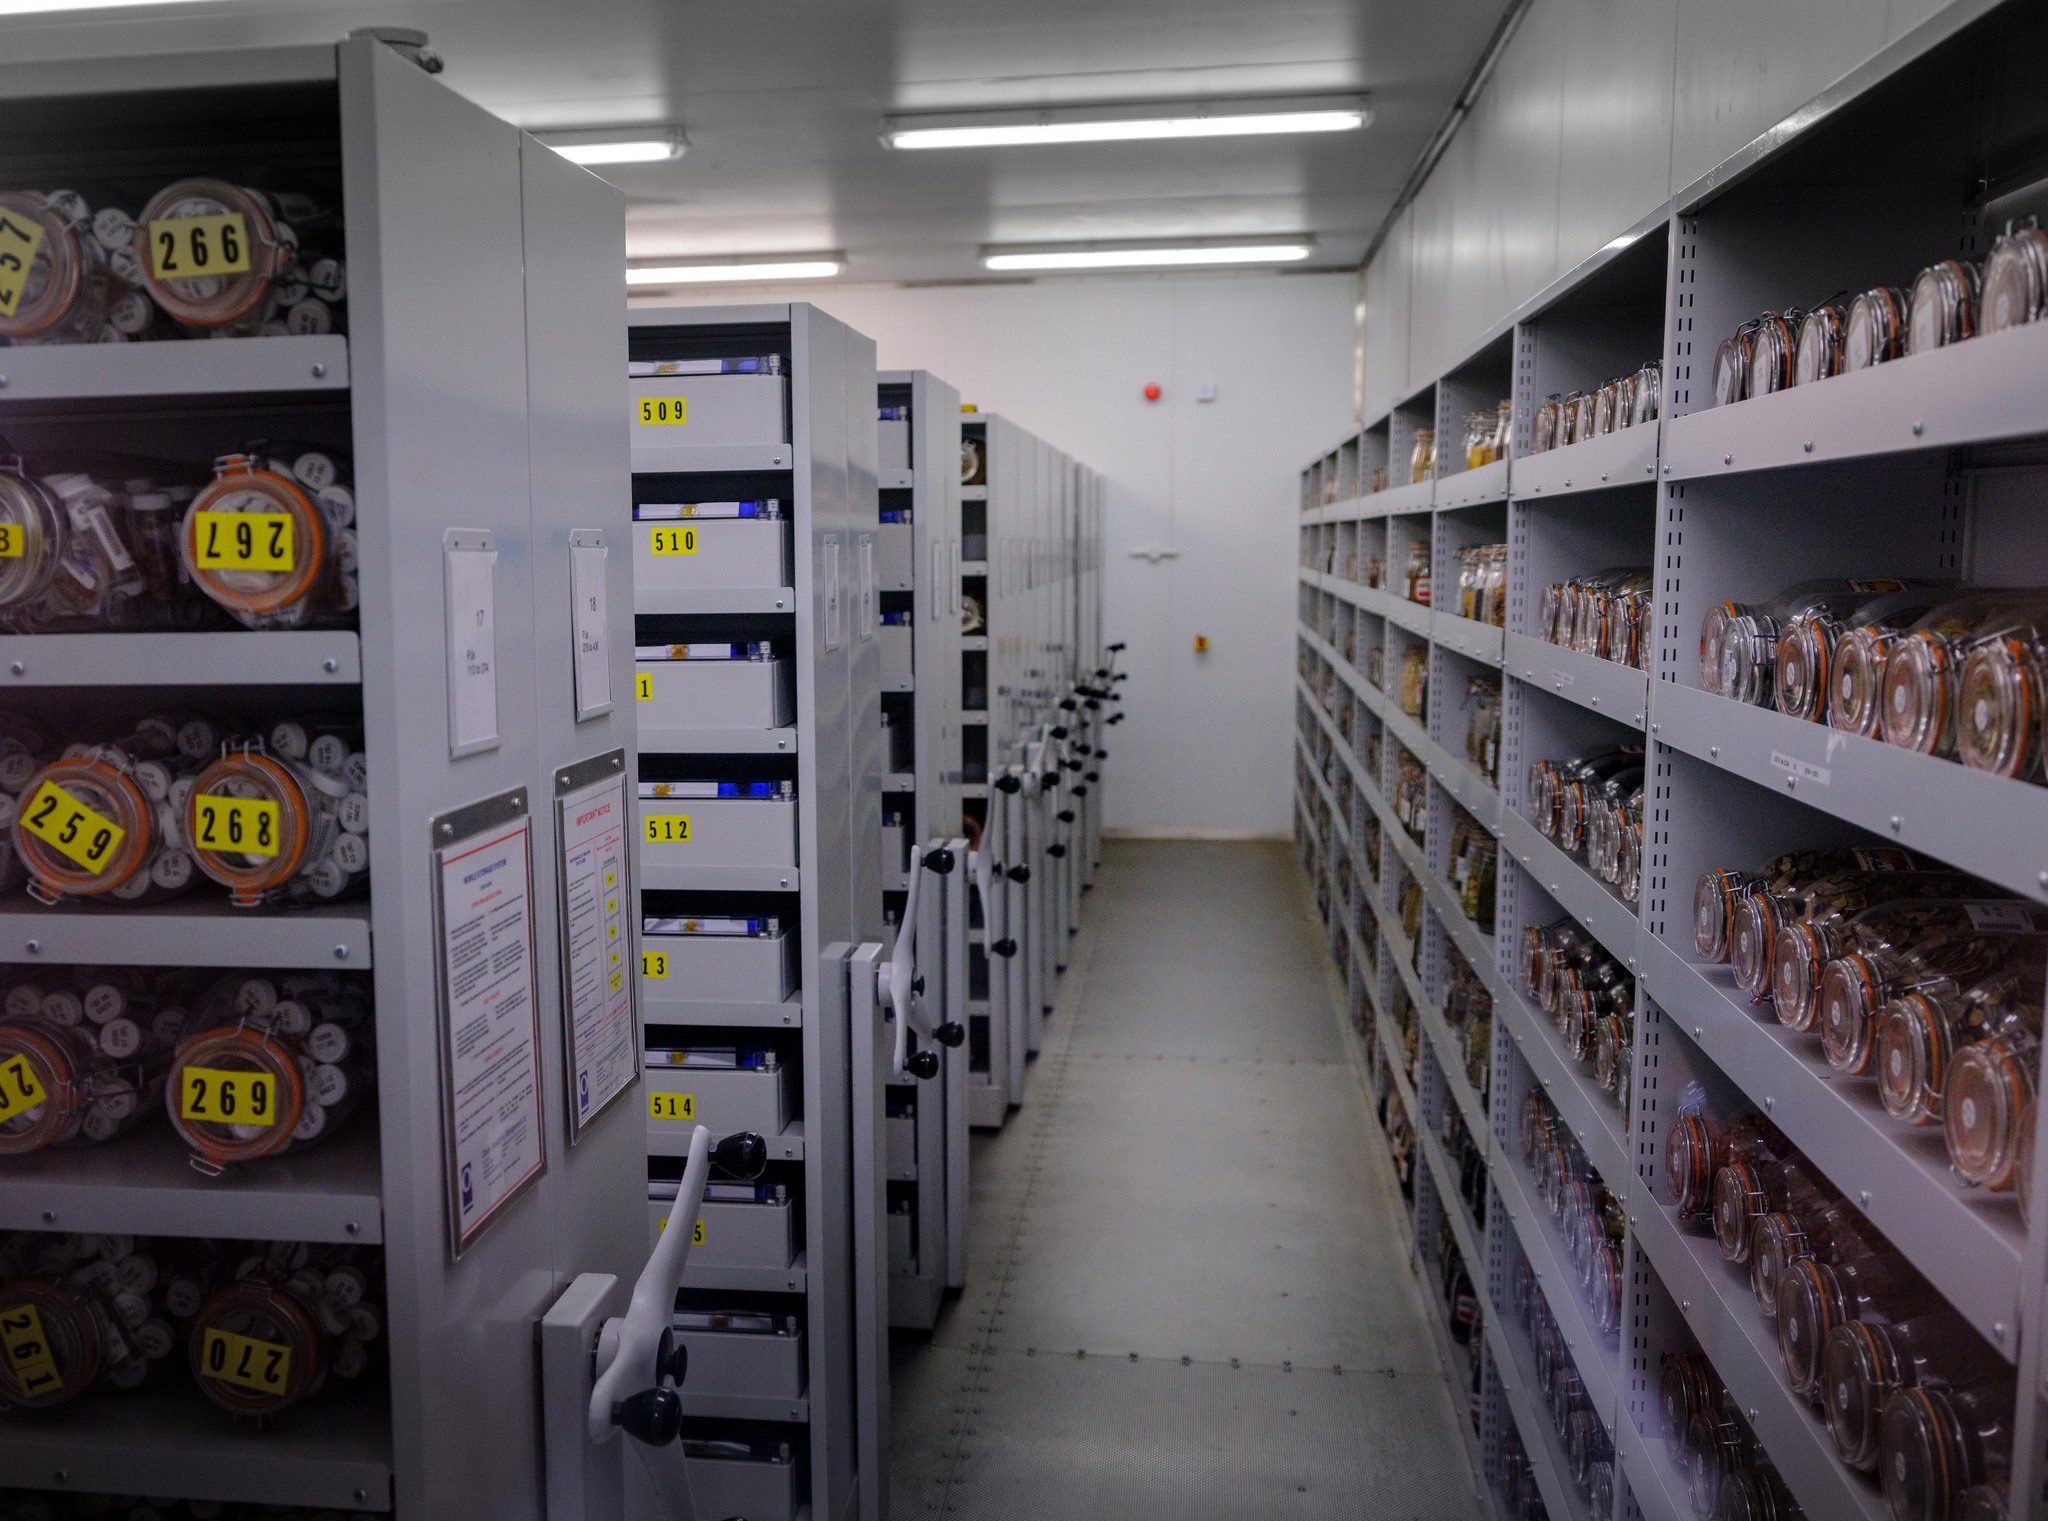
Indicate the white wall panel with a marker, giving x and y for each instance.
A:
(1615, 95)
(1387, 304)
(1433, 246)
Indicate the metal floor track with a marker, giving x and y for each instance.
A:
(1189, 1295)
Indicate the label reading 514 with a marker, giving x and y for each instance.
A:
(668, 829)
(264, 1366)
(20, 1091)
(244, 541)
(70, 828)
(671, 1106)
(663, 411)
(190, 248)
(28, 1350)
(243, 825)
(20, 238)
(227, 1098)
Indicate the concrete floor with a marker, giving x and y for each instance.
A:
(1189, 1296)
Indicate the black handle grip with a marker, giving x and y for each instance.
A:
(924, 1065)
(1081, 788)
(1008, 784)
(741, 1155)
(1056, 851)
(653, 1416)
(1115, 649)
(951, 1035)
(1004, 947)
(940, 861)
(1059, 730)
(1067, 816)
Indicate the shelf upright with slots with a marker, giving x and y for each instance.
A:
(922, 792)
(477, 389)
(778, 407)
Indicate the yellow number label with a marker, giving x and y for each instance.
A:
(19, 1090)
(20, 238)
(671, 1106)
(70, 828)
(227, 1098)
(643, 686)
(243, 825)
(189, 248)
(264, 1366)
(663, 411)
(672, 541)
(668, 829)
(696, 1235)
(28, 1350)
(245, 541)
(12, 540)
(654, 964)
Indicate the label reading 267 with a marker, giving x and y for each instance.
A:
(21, 1090)
(244, 541)
(20, 238)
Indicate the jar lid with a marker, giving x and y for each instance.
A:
(1989, 1089)
(85, 828)
(57, 271)
(250, 850)
(255, 1350)
(273, 566)
(42, 1091)
(1998, 707)
(225, 1124)
(233, 259)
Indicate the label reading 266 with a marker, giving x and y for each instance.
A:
(189, 248)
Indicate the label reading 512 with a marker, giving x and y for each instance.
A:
(70, 828)
(227, 1098)
(244, 541)
(190, 248)
(264, 1366)
(28, 1350)
(20, 238)
(668, 829)
(243, 825)
(663, 411)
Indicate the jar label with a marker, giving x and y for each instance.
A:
(28, 1350)
(663, 411)
(236, 825)
(224, 1097)
(20, 1091)
(246, 1361)
(671, 1106)
(189, 248)
(20, 238)
(654, 965)
(667, 828)
(244, 541)
(84, 837)
(672, 541)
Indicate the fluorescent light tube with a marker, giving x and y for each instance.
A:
(613, 153)
(591, 146)
(52, 7)
(732, 274)
(1127, 123)
(1147, 258)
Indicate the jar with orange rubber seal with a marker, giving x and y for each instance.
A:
(1803, 667)
(2015, 278)
(272, 828)
(1938, 1441)
(1999, 699)
(1739, 640)
(1774, 352)
(1701, 1143)
(1866, 1360)
(1857, 985)
(79, 1312)
(100, 824)
(1827, 899)
(1988, 1101)
(1923, 678)
(67, 559)
(1856, 696)
(1818, 355)
(257, 1348)
(1875, 331)
(66, 288)
(222, 259)
(1818, 1222)
(82, 1083)
(1944, 309)
(1732, 362)
(1803, 948)
(267, 539)
(1923, 1033)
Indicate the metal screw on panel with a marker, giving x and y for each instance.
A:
(61, 1475)
(1727, 459)
(35, 947)
(319, 371)
(1632, 1220)
(1770, 1104)
(1998, 1332)
(778, 604)
(353, 1227)
(1667, 469)
(447, 829)
(1807, 447)
(1699, 1032)
(1567, 484)
(49, 1217)
(1603, 475)
(1685, 1305)
(1655, 728)
(785, 881)
(1864, 1196)
(19, 668)
(1897, 823)
(330, 665)
(362, 1496)
(562, 780)
(341, 953)
(1752, 1412)
(1919, 428)
(1791, 782)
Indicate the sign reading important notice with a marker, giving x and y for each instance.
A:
(490, 1011)
(597, 904)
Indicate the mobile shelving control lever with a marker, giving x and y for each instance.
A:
(896, 981)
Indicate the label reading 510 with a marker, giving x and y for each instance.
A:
(244, 541)
(228, 1098)
(672, 541)
(264, 1366)
(663, 411)
(668, 829)
(20, 238)
(190, 248)
(28, 1350)
(70, 828)
(242, 825)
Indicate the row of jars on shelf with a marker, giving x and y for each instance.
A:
(245, 1066)
(1907, 1388)
(200, 257)
(1942, 670)
(1591, 807)
(276, 814)
(1468, 1010)
(1482, 725)
(257, 1327)
(1474, 866)
(1411, 794)
(1590, 1218)
(1605, 615)
(1588, 996)
(1728, 1476)
(1950, 301)
(1624, 402)
(1486, 439)
(268, 542)
(1588, 1453)
(1483, 583)
(1919, 977)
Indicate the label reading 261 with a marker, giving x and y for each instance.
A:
(668, 829)
(244, 541)
(663, 411)
(28, 1350)
(67, 826)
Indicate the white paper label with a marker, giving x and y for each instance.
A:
(472, 643)
(490, 1021)
(1806, 771)
(597, 977)
(1999, 918)
(591, 629)
(835, 633)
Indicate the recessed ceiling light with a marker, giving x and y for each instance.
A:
(735, 272)
(613, 145)
(1128, 123)
(1149, 256)
(50, 7)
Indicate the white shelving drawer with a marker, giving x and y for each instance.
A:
(712, 409)
(718, 960)
(897, 556)
(752, 1479)
(902, 1240)
(903, 1143)
(687, 553)
(896, 663)
(717, 831)
(722, 1088)
(721, 686)
(893, 440)
(894, 847)
(746, 1225)
(742, 1354)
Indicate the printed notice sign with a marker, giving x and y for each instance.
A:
(590, 626)
(490, 1013)
(471, 564)
(598, 901)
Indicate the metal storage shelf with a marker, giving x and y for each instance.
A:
(1391, 1046)
(787, 1147)
(1619, 692)
(699, 459)
(974, 493)
(657, 1010)
(1473, 488)
(664, 876)
(895, 480)
(1598, 1124)
(1968, 1244)
(716, 601)
(145, 1184)
(198, 930)
(1625, 457)
(1979, 391)
(1577, 891)
(1466, 636)
(749, 1280)
(663, 740)
(245, 370)
(311, 658)
(1539, 1438)
(1989, 825)
(1413, 616)
(1717, 1305)
(1411, 496)
(1464, 1230)
(170, 1439)
(743, 1407)
(1465, 783)
(973, 567)
(1450, 1061)
(1659, 1492)
(1597, 1362)
(974, 641)
(899, 781)
(1456, 1363)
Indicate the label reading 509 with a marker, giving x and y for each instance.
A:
(663, 411)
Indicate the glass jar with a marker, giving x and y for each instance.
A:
(287, 824)
(1416, 576)
(1605, 402)
(2015, 278)
(1732, 362)
(1716, 1448)
(1876, 328)
(1830, 898)
(1414, 680)
(1939, 1441)
(82, 1059)
(1802, 949)
(1819, 353)
(1802, 678)
(1699, 1144)
(271, 264)
(1816, 1298)
(2000, 690)
(1866, 1362)
(92, 1308)
(1422, 456)
(270, 541)
(292, 1319)
(1944, 309)
(1817, 1223)
(1748, 1188)
(1856, 986)
(1686, 1386)
(73, 286)
(67, 555)
(1988, 1101)
(1648, 397)
(1739, 640)
(1543, 425)
(1922, 679)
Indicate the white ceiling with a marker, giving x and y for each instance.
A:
(781, 100)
